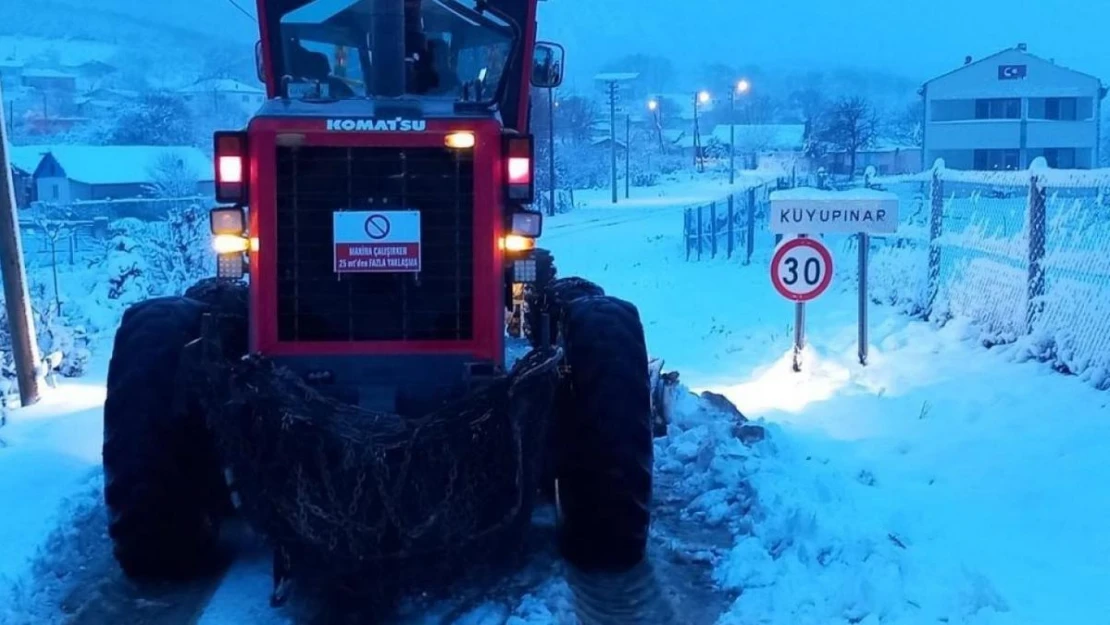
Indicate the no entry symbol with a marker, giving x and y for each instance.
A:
(377, 227)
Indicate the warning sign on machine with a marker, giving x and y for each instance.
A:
(377, 241)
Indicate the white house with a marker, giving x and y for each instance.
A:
(1005, 110)
(759, 144)
(69, 173)
(223, 95)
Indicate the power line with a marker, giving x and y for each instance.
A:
(249, 15)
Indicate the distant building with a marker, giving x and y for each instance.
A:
(11, 75)
(1005, 110)
(24, 161)
(50, 80)
(223, 95)
(90, 74)
(70, 173)
(887, 160)
(760, 143)
(103, 101)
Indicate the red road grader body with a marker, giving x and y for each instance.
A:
(341, 383)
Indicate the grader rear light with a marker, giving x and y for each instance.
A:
(231, 167)
(519, 163)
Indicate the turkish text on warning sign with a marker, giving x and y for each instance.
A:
(377, 241)
(801, 269)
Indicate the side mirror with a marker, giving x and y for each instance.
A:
(259, 68)
(547, 65)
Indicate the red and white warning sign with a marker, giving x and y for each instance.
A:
(801, 269)
(376, 241)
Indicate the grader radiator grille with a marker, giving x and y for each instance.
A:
(317, 304)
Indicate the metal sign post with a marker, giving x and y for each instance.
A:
(799, 334)
(801, 270)
(864, 245)
(803, 211)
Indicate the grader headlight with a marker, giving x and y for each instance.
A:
(230, 241)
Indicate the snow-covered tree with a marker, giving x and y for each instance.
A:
(155, 119)
(172, 177)
(849, 126)
(575, 119)
(906, 126)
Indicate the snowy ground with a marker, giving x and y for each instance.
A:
(942, 483)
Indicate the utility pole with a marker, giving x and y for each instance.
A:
(551, 147)
(613, 137)
(16, 298)
(627, 152)
(697, 135)
(741, 87)
(732, 136)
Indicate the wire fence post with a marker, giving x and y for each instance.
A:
(701, 230)
(936, 229)
(687, 217)
(731, 202)
(1036, 227)
(749, 228)
(713, 227)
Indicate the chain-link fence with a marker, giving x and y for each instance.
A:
(1023, 254)
(735, 225)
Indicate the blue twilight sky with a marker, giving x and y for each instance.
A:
(915, 38)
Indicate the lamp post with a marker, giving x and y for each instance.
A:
(701, 97)
(657, 117)
(742, 87)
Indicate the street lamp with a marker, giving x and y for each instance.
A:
(657, 117)
(701, 97)
(742, 87)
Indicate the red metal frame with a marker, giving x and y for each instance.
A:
(488, 316)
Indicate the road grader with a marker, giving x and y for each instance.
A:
(341, 383)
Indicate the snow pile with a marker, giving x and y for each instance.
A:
(804, 551)
(77, 305)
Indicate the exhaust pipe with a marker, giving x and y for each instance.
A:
(387, 63)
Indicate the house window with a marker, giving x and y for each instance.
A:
(1060, 158)
(247, 99)
(54, 191)
(994, 160)
(1060, 108)
(998, 108)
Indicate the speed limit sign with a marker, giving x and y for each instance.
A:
(801, 269)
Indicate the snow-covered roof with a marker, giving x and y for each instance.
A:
(47, 73)
(605, 140)
(764, 137)
(126, 164)
(27, 157)
(1008, 51)
(616, 76)
(221, 85)
(810, 193)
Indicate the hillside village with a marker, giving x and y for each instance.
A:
(67, 101)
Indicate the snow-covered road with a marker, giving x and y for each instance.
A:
(942, 483)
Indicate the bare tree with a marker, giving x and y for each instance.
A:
(172, 177)
(849, 126)
(576, 118)
(906, 127)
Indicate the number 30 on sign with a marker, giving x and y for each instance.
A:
(801, 269)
